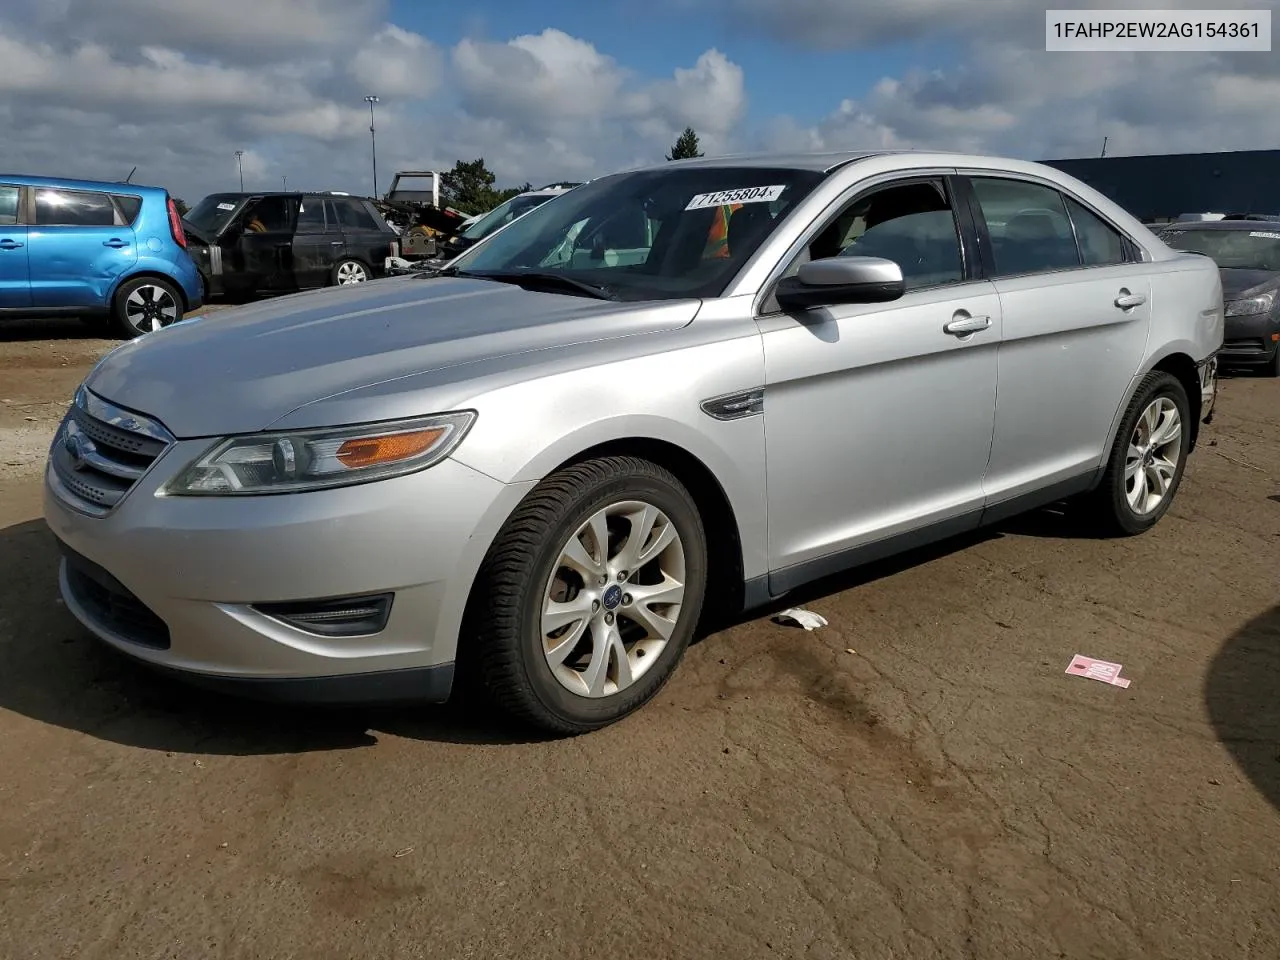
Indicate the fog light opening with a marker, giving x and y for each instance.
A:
(333, 617)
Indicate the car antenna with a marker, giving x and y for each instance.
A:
(131, 173)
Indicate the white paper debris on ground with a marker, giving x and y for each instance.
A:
(1081, 666)
(801, 618)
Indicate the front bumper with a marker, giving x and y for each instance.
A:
(1250, 341)
(183, 576)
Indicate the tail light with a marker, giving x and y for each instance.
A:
(175, 224)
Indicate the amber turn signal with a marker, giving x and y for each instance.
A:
(371, 451)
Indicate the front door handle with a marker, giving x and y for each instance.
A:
(1127, 300)
(10, 244)
(963, 326)
(115, 243)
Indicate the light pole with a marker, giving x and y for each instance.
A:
(373, 143)
(240, 164)
(284, 183)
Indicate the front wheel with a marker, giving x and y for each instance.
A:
(589, 596)
(348, 271)
(145, 304)
(1148, 458)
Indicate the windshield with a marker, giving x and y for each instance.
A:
(651, 234)
(212, 213)
(1240, 249)
(501, 215)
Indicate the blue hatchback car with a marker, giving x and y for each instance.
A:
(94, 249)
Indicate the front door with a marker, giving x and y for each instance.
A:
(1077, 310)
(261, 252)
(77, 248)
(15, 279)
(879, 417)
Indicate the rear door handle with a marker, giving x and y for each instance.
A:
(10, 244)
(115, 243)
(1127, 300)
(962, 326)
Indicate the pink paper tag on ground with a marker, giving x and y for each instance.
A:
(1097, 670)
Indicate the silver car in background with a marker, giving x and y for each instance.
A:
(667, 391)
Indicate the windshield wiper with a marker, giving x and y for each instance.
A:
(532, 280)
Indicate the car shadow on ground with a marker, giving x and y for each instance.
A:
(53, 671)
(22, 329)
(1242, 695)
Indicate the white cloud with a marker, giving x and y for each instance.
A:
(398, 63)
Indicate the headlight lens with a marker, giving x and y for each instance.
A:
(1251, 307)
(296, 461)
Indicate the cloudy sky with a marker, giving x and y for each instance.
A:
(568, 89)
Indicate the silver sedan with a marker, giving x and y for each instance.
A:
(669, 391)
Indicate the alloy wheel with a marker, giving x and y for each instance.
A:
(150, 307)
(613, 599)
(351, 272)
(1151, 462)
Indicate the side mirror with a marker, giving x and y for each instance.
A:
(836, 280)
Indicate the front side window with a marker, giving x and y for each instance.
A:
(8, 205)
(644, 235)
(74, 208)
(268, 215)
(1029, 227)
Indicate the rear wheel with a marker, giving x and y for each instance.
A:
(349, 271)
(1148, 458)
(145, 304)
(589, 596)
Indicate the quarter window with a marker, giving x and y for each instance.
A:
(1029, 227)
(130, 206)
(74, 208)
(1100, 243)
(8, 205)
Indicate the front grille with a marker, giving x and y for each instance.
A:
(100, 452)
(110, 604)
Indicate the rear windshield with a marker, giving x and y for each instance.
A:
(1240, 249)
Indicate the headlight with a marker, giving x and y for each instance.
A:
(1251, 307)
(291, 462)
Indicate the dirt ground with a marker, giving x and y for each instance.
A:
(917, 780)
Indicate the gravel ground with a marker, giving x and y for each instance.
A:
(917, 780)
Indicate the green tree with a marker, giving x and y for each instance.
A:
(181, 205)
(469, 187)
(686, 146)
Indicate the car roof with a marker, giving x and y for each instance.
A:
(115, 186)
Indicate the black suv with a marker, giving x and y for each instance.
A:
(247, 243)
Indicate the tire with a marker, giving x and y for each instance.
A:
(504, 644)
(1118, 505)
(349, 271)
(145, 304)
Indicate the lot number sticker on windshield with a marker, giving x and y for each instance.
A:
(743, 195)
(226, 206)
(1265, 235)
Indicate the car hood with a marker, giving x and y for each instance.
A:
(1237, 283)
(241, 370)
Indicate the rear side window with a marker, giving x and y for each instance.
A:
(1100, 243)
(311, 215)
(8, 205)
(353, 215)
(129, 206)
(1029, 227)
(74, 208)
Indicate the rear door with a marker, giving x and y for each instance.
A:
(1076, 303)
(78, 248)
(317, 242)
(15, 278)
(362, 232)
